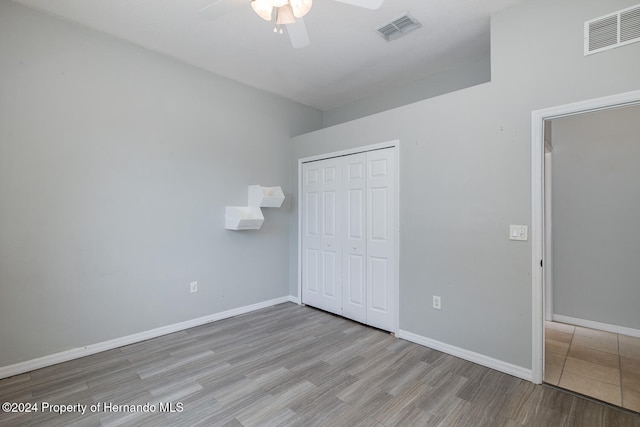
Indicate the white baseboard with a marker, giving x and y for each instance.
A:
(480, 359)
(294, 300)
(597, 325)
(75, 353)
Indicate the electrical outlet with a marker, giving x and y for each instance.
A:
(437, 303)
(194, 287)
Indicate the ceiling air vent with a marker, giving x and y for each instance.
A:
(398, 27)
(614, 30)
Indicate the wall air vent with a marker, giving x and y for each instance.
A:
(398, 27)
(613, 30)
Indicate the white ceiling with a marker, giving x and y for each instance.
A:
(347, 60)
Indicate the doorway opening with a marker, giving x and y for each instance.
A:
(580, 256)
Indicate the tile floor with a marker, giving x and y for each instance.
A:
(595, 363)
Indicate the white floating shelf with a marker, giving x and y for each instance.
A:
(250, 217)
(243, 218)
(266, 197)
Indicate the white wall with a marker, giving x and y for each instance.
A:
(465, 175)
(115, 167)
(456, 78)
(596, 206)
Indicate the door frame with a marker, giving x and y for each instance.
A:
(548, 224)
(395, 144)
(538, 118)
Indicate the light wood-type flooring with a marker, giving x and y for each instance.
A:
(292, 365)
(595, 363)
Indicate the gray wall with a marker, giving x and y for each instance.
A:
(460, 77)
(115, 167)
(465, 160)
(596, 207)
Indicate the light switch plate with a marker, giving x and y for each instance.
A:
(518, 232)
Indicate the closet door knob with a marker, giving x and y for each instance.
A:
(355, 247)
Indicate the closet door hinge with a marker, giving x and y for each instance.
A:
(540, 263)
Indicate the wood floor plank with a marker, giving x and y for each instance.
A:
(293, 366)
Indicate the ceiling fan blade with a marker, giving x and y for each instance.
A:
(219, 8)
(298, 34)
(368, 4)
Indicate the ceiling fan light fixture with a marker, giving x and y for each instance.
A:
(300, 7)
(263, 9)
(284, 15)
(286, 10)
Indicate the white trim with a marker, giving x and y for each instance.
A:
(548, 246)
(537, 249)
(294, 300)
(480, 359)
(396, 145)
(75, 353)
(623, 330)
(538, 118)
(299, 232)
(390, 144)
(347, 152)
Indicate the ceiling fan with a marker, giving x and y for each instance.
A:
(283, 12)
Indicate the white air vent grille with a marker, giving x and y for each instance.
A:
(603, 33)
(614, 30)
(630, 25)
(398, 27)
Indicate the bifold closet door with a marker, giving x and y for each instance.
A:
(381, 245)
(321, 231)
(354, 242)
(348, 236)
